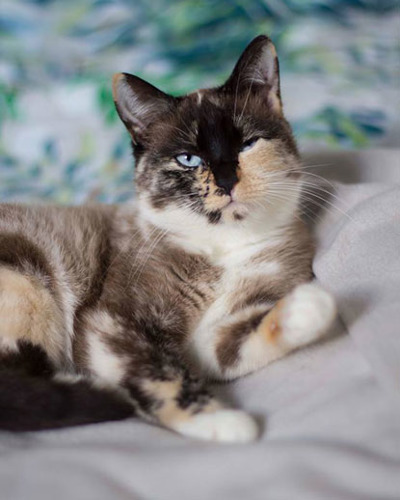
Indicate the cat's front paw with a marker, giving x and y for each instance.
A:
(223, 425)
(306, 315)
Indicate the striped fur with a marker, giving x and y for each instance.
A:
(204, 277)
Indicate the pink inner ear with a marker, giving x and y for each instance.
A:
(271, 67)
(275, 102)
(258, 66)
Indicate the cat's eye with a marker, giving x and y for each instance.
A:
(248, 144)
(188, 160)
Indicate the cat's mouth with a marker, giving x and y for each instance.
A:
(235, 210)
(229, 206)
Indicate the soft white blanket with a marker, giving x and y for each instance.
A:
(330, 412)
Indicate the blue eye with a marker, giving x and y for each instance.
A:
(188, 160)
(249, 144)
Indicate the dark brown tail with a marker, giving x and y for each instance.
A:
(30, 399)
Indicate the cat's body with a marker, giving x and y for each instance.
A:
(199, 279)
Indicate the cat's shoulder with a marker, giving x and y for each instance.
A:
(47, 218)
(48, 211)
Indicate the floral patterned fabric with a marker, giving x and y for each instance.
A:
(60, 139)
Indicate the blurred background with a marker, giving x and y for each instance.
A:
(60, 139)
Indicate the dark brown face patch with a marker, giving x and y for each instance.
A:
(215, 129)
(213, 124)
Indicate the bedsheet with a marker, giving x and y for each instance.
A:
(330, 413)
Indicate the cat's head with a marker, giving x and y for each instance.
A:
(219, 153)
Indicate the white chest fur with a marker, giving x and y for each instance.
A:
(230, 246)
(227, 244)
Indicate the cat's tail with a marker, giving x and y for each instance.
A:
(31, 398)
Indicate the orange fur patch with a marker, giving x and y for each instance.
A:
(209, 190)
(265, 157)
(270, 326)
(166, 392)
(29, 312)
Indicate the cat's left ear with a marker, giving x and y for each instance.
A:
(139, 104)
(257, 71)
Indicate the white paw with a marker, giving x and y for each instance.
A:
(306, 315)
(229, 426)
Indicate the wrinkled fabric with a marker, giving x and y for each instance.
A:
(330, 413)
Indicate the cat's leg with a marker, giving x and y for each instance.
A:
(226, 347)
(157, 384)
(177, 400)
(29, 313)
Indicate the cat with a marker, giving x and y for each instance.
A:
(108, 312)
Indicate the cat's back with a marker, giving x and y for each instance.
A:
(57, 244)
(53, 220)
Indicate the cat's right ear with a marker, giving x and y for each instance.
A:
(139, 104)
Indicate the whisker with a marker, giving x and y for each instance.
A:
(137, 251)
(315, 186)
(287, 188)
(302, 212)
(246, 100)
(237, 89)
(141, 267)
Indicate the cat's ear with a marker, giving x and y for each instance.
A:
(139, 104)
(257, 70)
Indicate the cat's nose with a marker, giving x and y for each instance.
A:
(227, 184)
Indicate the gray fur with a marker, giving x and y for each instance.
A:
(134, 290)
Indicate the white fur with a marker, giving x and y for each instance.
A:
(226, 244)
(236, 269)
(68, 378)
(231, 246)
(229, 426)
(267, 269)
(307, 314)
(8, 345)
(202, 340)
(103, 362)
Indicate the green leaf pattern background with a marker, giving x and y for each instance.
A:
(60, 139)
